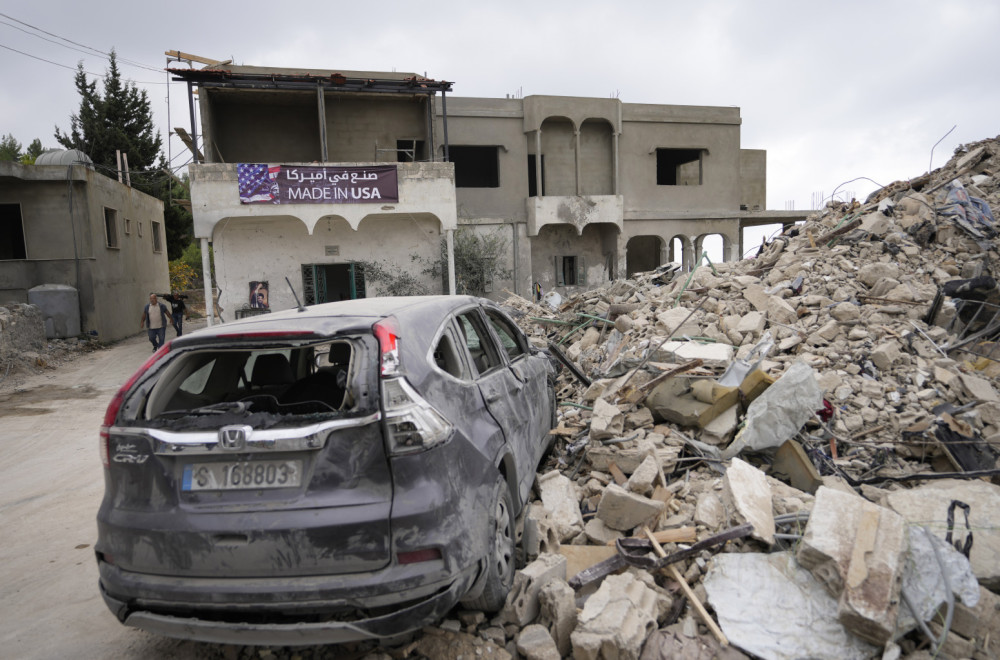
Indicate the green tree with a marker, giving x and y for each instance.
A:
(10, 149)
(34, 150)
(119, 118)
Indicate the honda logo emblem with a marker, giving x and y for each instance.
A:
(234, 438)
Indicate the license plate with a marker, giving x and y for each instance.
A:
(242, 475)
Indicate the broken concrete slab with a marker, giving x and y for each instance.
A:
(855, 549)
(522, 601)
(749, 494)
(928, 505)
(644, 476)
(979, 388)
(562, 501)
(619, 509)
(534, 642)
(674, 643)
(607, 421)
(711, 355)
(617, 619)
(797, 619)
(557, 602)
(927, 558)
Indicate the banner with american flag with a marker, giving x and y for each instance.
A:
(258, 183)
(316, 184)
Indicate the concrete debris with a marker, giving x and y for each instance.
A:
(855, 549)
(535, 643)
(749, 494)
(522, 601)
(619, 509)
(617, 619)
(838, 391)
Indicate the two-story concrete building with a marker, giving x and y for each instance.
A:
(578, 190)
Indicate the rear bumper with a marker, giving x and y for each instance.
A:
(398, 611)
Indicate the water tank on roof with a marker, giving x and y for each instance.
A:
(60, 306)
(64, 157)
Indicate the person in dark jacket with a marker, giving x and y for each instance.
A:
(155, 318)
(178, 310)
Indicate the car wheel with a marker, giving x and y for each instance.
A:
(500, 555)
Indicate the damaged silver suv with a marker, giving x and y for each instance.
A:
(347, 471)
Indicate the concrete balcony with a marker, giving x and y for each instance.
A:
(577, 211)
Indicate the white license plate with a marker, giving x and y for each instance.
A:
(242, 475)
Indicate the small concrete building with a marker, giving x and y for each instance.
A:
(63, 224)
(577, 191)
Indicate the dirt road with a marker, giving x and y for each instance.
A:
(51, 483)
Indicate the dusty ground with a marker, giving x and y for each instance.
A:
(51, 484)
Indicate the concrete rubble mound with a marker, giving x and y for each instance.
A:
(786, 456)
(793, 455)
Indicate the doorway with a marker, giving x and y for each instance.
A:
(323, 283)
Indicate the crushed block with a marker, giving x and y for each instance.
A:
(540, 533)
(560, 498)
(885, 354)
(619, 509)
(557, 601)
(855, 549)
(522, 601)
(617, 619)
(711, 355)
(598, 532)
(642, 479)
(535, 643)
(607, 421)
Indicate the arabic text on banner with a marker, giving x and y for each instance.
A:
(294, 184)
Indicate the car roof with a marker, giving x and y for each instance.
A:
(423, 312)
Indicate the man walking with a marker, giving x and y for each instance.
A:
(154, 317)
(178, 310)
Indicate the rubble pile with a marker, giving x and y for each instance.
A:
(791, 455)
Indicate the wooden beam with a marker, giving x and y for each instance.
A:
(189, 143)
(195, 58)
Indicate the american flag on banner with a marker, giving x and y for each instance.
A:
(257, 182)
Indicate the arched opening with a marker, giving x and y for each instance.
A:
(717, 246)
(643, 253)
(680, 251)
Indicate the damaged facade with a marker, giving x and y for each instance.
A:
(577, 191)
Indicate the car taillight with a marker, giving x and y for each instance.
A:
(116, 403)
(387, 333)
(411, 423)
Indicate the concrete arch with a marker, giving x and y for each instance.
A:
(643, 253)
(728, 245)
(686, 258)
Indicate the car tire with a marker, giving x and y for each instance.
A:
(501, 556)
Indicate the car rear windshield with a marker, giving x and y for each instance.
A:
(261, 386)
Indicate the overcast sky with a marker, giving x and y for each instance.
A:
(832, 90)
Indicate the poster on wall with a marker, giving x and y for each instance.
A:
(293, 184)
(258, 295)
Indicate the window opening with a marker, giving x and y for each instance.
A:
(507, 334)
(11, 232)
(409, 151)
(157, 244)
(570, 271)
(111, 227)
(475, 167)
(480, 348)
(323, 283)
(678, 167)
